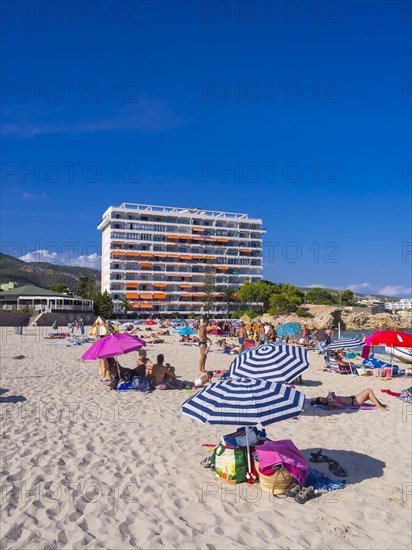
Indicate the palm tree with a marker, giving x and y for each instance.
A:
(229, 294)
(125, 305)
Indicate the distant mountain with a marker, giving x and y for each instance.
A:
(43, 274)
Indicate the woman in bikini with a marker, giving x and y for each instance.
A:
(334, 401)
(202, 343)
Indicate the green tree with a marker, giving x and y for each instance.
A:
(209, 288)
(103, 305)
(229, 294)
(319, 295)
(347, 297)
(86, 288)
(57, 287)
(126, 306)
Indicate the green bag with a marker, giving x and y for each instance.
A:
(230, 464)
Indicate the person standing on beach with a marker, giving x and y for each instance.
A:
(203, 340)
(241, 334)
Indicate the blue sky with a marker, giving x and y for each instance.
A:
(300, 117)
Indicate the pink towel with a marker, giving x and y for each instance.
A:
(284, 453)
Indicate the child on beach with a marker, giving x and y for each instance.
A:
(204, 379)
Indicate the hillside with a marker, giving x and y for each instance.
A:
(43, 274)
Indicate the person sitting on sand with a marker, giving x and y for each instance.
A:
(163, 376)
(144, 361)
(334, 401)
(204, 379)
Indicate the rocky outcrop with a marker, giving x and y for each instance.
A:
(323, 316)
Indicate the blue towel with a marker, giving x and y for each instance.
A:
(321, 482)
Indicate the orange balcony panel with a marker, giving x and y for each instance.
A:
(222, 267)
(145, 306)
(197, 229)
(221, 240)
(146, 265)
(172, 255)
(146, 254)
(198, 238)
(185, 257)
(146, 296)
(159, 285)
(172, 236)
(245, 250)
(132, 285)
(185, 285)
(118, 252)
(118, 243)
(134, 295)
(159, 296)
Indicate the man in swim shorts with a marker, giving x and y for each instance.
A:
(203, 340)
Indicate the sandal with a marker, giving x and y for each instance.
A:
(337, 469)
(305, 494)
(293, 490)
(318, 457)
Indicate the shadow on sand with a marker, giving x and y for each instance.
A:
(10, 398)
(357, 465)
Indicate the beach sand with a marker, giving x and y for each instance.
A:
(86, 466)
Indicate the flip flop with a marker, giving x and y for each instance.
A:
(305, 494)
(318, 457)
(337, 469)
(294, 490)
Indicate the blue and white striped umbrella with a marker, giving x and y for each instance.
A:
(276, 363)
(288, 329)
(244, 402)
(344, 343)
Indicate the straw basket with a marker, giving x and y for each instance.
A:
(277, 483)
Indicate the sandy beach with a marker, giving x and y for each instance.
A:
(86, 466)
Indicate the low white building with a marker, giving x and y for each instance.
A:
(42, 300)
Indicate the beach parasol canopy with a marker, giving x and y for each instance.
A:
(150, 323)
(321, 335)
(187, 331)
(244, 402)
(270, 362)
(98, 328)
(217, 332)
(113, 345)
(390, 338)
(288, 329)
(344, 343)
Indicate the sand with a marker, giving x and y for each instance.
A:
(86, 466)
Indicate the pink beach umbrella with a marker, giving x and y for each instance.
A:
(113, 345)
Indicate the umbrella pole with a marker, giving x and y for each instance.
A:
(250, 477)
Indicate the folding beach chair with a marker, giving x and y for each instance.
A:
(333, 365)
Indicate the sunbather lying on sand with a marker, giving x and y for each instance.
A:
(334, 401)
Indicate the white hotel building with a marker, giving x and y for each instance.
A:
(155, 256)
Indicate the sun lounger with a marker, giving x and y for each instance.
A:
(333, 365)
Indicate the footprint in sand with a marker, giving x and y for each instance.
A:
(14, 533)
(124, 529)
(61, 537)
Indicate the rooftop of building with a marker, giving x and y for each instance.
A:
(127, 206)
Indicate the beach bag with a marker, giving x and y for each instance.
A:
(230, 464)
(406, 395)
(276, 483)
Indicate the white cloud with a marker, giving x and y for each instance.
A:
(395, 290)
(320, 285)
(64, 258)
(360, 287)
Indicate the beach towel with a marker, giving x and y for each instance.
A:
(282, 453)
(321, 482)
(364, 407)
(404, 395)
